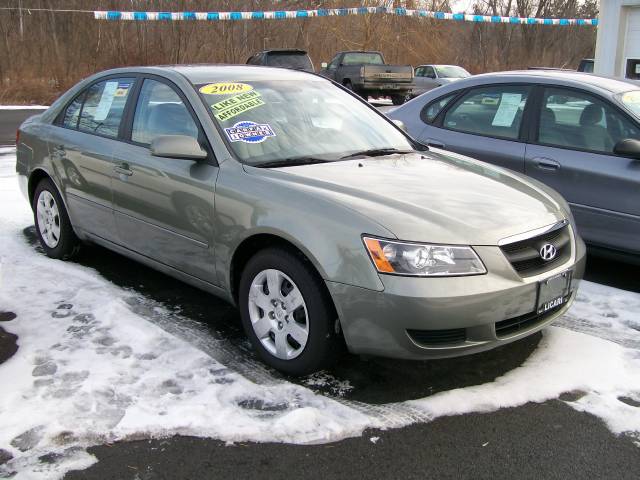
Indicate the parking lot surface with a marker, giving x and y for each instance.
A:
(142, 348)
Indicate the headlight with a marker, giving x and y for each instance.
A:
(423, 260)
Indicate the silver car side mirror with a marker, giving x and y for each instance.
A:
(177, 146)
(400, 124)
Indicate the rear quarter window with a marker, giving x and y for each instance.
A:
(72, 112)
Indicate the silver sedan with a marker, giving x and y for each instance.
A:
(576, 132)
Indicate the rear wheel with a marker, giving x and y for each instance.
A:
(398, 99)
(286, 313)
(53, 227)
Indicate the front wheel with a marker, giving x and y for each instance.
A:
(287, 314)
(53, 227)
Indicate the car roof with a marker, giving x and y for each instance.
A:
(209, 73)
(437, 65)
(599, 82)
(284, 50)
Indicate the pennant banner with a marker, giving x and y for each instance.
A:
(328, 12)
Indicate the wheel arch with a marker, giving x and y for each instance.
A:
(35, 177)
(260, 241)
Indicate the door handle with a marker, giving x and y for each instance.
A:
(546, 164)
(123, 170)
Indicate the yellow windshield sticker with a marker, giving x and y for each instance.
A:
(234, 106)
(631, 97)
(225, 88)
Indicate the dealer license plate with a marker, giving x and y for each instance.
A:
(553, 292)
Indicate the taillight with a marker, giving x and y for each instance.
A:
(17, 137)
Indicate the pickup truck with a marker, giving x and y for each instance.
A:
(367, 74)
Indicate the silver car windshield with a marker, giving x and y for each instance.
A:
(275, 120)
(449, 71)
(631, 100)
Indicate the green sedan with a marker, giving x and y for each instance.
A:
(319, 218)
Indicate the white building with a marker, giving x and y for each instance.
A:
(618, 43)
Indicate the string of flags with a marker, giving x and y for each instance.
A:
(329, 12)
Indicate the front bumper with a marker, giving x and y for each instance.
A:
(378, 322)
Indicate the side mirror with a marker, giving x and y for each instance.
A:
(177, 146)
(400, 124)
(628, 147)
(324, 65)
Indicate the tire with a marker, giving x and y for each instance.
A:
(347, 84)
(316, 313)
(53, 227)
(398, 99)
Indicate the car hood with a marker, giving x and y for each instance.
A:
(430, 197)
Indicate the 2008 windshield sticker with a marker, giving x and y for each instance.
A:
(234, 106)
(225, 88)
(249, 132)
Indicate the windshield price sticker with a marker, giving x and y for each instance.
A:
(249, 132)
(234, 106)
(225, 88)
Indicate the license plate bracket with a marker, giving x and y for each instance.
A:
(552, 292)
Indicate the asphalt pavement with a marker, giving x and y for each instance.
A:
(548, 440)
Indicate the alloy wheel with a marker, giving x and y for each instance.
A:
(278, 314)
(48, 219)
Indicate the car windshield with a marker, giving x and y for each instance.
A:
(278, 120)
(631, 100)
(296, 60)
(450, 71)
(362, 58)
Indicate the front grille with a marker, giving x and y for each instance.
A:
(514, 325)
(524, 255)
(438, 337)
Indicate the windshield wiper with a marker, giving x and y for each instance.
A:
(292, 162)
(376, 152)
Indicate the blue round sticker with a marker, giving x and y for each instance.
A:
(249, 132)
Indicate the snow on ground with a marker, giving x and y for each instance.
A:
(92, 369)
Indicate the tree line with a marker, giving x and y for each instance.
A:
(42, 53)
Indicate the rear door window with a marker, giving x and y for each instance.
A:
(494, 111)
(104, 106)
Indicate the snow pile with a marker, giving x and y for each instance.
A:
(92, 369)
